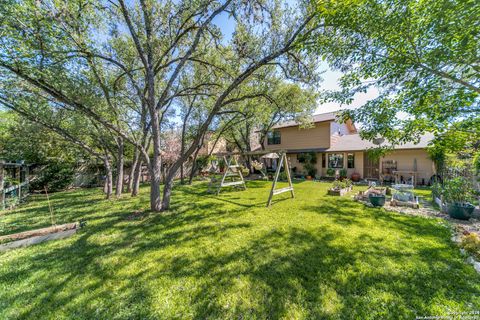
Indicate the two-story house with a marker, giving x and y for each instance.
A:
(339, 146)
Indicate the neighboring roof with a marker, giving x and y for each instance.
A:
(329, 116)
(353, 142)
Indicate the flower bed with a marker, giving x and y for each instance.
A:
(340, 188)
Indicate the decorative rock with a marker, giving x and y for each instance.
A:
(476, 265)
(471, 260)
(456, 239)
(463, 252)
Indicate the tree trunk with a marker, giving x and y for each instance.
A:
(120, 162)
(182, 150)
(194, 166)
(107, 189)
(168, 186)
(136, 178)
(182, 178)
(133, 169)
(155, 173)
(156, 164)
(192, 171)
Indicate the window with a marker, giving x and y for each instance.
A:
(307, 157)
(324, 160)
(350, 160)
(335, 160)
(274, 137)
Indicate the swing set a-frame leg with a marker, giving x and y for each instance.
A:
(229, 169)
(273, 191)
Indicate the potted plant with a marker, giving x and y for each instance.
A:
(377, 198)
(311, 171)
(355, 177)
(339, 188)
(456, 193)
(330, 172)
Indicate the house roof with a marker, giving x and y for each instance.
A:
(329, 116)
(353, 142)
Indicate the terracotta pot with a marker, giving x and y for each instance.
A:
(355, 177)
(309, 177)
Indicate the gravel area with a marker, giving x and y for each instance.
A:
(427, 210)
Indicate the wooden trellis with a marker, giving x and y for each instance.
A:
(233, 170)
(17, 191)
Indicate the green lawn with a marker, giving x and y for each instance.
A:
(229, 257)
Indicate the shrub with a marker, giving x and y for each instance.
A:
(310, 169)
(347, 182)
(202, 162)
(308, 157)
(221, 164)
(476, 163)
(309, 160)
(337, 185)
(437, 189)
(10, 182)
(330, 172)
(457, 190)
(471, 244)
(55, 176)
(343, 173)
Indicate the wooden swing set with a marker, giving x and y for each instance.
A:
(233, 172)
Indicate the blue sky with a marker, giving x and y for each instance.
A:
(330, 77)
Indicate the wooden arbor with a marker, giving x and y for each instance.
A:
(12, 193)
(232, 169)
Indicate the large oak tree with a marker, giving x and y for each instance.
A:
(80, 53)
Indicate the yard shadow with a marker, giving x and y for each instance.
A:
(325, 279)
(207, 260)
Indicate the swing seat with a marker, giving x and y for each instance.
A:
(234, 183)
(282, 190)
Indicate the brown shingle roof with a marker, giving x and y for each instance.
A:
(329, 116)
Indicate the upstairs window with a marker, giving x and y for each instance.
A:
(274, 137)
(350, 161)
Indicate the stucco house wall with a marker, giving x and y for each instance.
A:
(328, 136)
(299, 138)
(406, 158)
